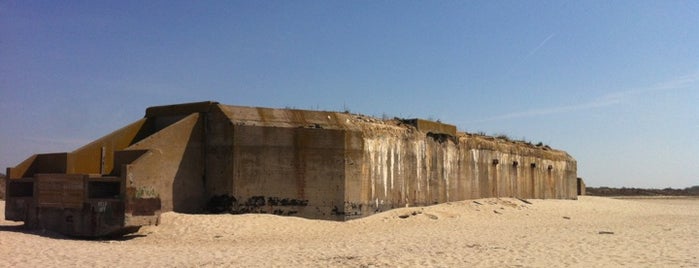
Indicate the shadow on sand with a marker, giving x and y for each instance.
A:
(54, 235)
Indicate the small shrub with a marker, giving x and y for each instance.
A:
(503, 137)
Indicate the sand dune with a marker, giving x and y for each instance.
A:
(590, 232)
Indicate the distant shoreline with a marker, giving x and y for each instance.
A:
(641, 192)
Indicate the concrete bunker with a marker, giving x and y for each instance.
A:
(205, 156)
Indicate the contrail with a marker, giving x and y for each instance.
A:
(539, 46)
(531, 53)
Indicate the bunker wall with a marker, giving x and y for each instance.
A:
(580, 185)
(399, 168)
(219, 154)
(288, 171)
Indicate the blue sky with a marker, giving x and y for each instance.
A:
(613, 83)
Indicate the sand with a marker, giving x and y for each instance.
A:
(589, 232)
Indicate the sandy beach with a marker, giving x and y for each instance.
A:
(589, 232)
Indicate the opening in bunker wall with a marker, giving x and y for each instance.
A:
(104, 189)
(20, 189)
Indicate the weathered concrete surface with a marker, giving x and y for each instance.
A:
(395, 168)
(312, 164)
(172, 168)
(581, 187)
(2, 189)
(74, 204)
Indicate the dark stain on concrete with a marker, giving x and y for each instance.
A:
(276, 201)
(221, 204)
(143, 206)
(255, 204)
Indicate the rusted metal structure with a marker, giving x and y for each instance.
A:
(313, 164)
